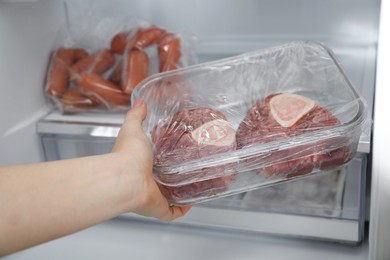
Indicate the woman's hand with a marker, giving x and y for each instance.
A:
(134, 148)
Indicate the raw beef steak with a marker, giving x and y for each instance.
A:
(188, 135)
(281, 116)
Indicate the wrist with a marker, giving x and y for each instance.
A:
(131, 182)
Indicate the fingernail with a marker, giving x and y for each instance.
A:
(138, 103)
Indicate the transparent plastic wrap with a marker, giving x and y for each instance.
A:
(249, 121)
(96, 67)
(317, 195)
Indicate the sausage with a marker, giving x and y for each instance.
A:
(101, 90)
(79, 54)
(148, 36)
(96, 63)
(135, 70)
(140, 38)
(120, 41)
(168, 52)
(73, 99)
(58, 73)
(116, 74)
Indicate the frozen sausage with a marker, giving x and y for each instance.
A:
(140, 38)
(79, 54)
(135, 70)
(169, 52)
(148, 36)
(58, 73)
(121, 40)
(102, 90)
(116, 73)
(72, 100)
(96, 63)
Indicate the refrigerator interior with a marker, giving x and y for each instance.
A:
(350, 28)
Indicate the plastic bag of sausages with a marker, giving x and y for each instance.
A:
(97, 68)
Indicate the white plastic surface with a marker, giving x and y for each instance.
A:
(140, 240)
(380, 195)
(26, 38)
(349, 20)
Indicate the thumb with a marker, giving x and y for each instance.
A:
(131, 126)
(137, 113)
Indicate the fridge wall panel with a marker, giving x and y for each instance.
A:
(352, 21)
(380, 195)
(27, 33)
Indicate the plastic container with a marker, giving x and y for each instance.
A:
(191, 168)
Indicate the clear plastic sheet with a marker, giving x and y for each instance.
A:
(250, 121)
(316, 195)
(97, 66)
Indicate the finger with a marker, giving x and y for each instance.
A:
(176, 212)
(137, 113)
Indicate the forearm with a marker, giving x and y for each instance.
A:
(40, 202)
